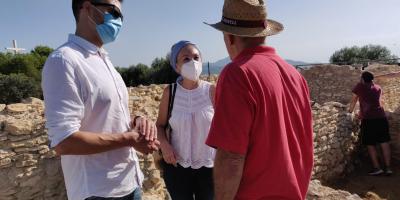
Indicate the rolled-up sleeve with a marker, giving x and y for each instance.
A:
(63, 103)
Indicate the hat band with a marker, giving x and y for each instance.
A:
(244, 23)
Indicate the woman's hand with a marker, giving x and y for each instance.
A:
(169, 154)
(145, 127)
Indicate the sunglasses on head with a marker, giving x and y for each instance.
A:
(115, 12)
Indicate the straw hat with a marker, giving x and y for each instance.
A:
(247, 18)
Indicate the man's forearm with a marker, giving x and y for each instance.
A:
(353, 103)
(351, 108)
(228, 170)
(86, 143)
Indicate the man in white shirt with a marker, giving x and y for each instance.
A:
(87, 112)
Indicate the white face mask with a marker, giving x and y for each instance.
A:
(192, 70)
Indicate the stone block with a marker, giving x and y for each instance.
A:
(18, 127)
(2, 107)
(30, 142)
(5, 163)
(26, 163)
(6, 154)
(14, 138)
(17, 108)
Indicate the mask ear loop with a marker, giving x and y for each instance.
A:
(91, 19)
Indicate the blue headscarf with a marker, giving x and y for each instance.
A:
(175, 49)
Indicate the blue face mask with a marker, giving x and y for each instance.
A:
(109, 30)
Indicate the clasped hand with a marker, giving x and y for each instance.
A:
(146, 142)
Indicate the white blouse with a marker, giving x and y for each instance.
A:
(190, 122)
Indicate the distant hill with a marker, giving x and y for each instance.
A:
(216, 67)
(294, 62)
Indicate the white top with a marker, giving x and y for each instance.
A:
(190, 122)
(83, 92)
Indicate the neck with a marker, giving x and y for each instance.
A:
(245, 45)
(86, 33)
(189, 84)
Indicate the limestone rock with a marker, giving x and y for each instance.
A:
(316, 191)
(30, 142)
(18, 127)
(2, 107)
(5, 162)
(17, 108)
(26, 163)
(6, 154)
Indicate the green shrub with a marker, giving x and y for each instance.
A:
(160, 72)
(361, 55)
(16, 87)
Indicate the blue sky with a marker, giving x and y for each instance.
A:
(314, 29)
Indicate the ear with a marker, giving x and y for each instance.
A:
(231, 39)
(86, 5)
(85, 8)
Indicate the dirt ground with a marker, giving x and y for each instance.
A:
(372, 187)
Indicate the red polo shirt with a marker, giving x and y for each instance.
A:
(263, 111)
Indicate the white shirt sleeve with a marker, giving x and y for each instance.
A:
(62, 98)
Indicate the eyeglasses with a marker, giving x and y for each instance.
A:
(115, 12)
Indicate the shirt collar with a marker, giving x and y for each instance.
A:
(89, 47)
(255, 50)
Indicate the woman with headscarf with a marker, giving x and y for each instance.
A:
(187, 109)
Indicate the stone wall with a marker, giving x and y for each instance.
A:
(333, 83)
(336, 140)
(30, 170)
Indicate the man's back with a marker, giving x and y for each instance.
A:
(270, 122)
(369, 95)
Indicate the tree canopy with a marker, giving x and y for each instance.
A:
(360, 55)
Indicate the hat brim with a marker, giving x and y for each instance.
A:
(273, 28)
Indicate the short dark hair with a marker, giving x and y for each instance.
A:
(77, 5)
(367, 77)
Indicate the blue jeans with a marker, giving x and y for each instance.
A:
(135, 195)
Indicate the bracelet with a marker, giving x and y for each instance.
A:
(134, 120)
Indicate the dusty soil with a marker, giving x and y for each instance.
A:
(372, 187)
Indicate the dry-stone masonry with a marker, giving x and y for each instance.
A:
(335, 140)
(30, 170)
(333, 83)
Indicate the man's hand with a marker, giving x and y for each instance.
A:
(350, 110)
(145, 127)
(142, 145)
(146, 147)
